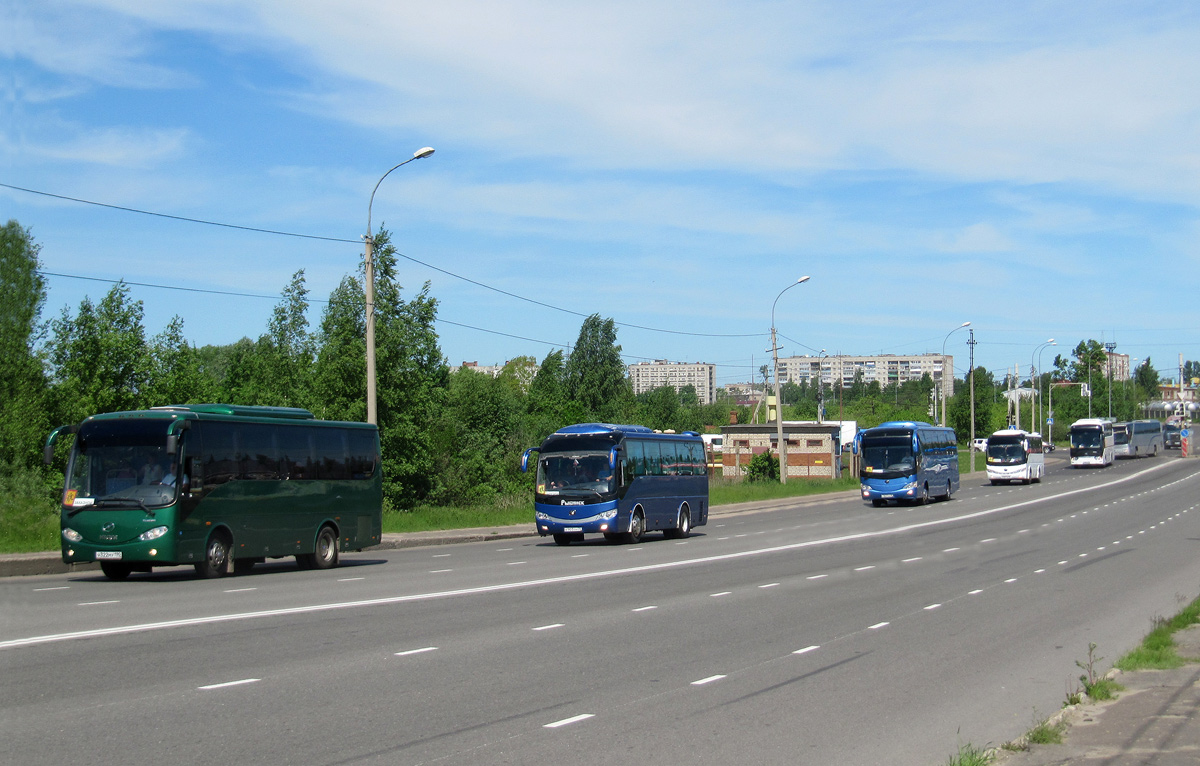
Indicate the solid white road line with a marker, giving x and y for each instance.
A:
(417, 651)
(708, 680)
(568, 721)
(230, 683)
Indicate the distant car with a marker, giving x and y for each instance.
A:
(1047, 446)
(979, 445)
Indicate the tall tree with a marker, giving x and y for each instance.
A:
(412, 379)
(100, 357)
(286, 351)
(595, 374)
(174, 370)
(23, 418)
(340, 372)
(1147, 381)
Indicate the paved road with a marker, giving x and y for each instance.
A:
(832, 633)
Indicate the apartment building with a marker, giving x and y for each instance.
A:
(647, 376)
(884, 369)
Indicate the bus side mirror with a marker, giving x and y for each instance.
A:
(48, 454)
(525, 459)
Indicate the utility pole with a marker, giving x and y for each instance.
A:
(1109, 348)
(971, 377)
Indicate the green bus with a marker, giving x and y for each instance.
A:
(222, 487)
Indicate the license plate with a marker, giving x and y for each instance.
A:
(107, 555)
(572, 529)
(887, 497)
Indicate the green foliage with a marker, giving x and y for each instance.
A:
(24, 419)
(1046, 733)
(970, 755)
(99, 356)
(595, 375)
(1157, 650)
(763, 467)
(724, 492)
(28, 509)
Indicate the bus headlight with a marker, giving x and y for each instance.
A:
(71, 535)
(612, 514)
(911, 485)
(152, 534)
(542, 516)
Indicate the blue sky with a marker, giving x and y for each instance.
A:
(1030, 167)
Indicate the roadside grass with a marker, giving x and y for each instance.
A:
(1157, 650)
(970, 755)
(722, 492)
(29, 524)
(1046, 733)
(28, 514)
(518, 509)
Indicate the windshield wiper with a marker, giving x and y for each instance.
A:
(111, 500)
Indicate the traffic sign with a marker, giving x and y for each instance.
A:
(1050, 421)
(1185, 433)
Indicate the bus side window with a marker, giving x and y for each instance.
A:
(634, 460)
(219, 452)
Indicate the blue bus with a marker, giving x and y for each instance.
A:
(620, 481)
(907, 460)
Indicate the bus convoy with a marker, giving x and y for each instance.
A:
(907, 461)
(221, 487)
(620, 481)
(224, 487)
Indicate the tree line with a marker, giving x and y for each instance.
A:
(447, 438)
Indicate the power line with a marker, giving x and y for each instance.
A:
(354, 241)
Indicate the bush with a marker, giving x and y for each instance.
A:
(763, 467)
(28, 511)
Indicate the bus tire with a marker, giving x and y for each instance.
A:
(115, 570)
(216, 556)
(949, 489)
(326, 554)
(563, 539)
(683, 527)
(637, 528)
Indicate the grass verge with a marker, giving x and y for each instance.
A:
(970, 755)
(1157, 650)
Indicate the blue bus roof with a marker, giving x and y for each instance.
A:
(602, 428)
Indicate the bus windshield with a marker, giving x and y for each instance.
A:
(888, 457)
(117, 463)
(573, 472)
(1086, 438)
(1120, 434)
(1006, 449)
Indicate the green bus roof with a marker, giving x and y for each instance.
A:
(242, 410)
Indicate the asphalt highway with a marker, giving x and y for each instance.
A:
(831, 633)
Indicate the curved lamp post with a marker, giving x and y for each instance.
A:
(782, 445)
(369, 290)
(1037, 371)
(956, 329)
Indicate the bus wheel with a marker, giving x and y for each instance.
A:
(216, 557)
(924, 497)
(326, 555)
(562, 539)
(114, 570)
(949, 489)
(637, 528)
(683, 528)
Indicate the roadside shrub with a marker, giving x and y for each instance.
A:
(763, 467)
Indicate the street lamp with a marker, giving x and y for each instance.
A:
(821, 357)
(956, 329)
(1037, 372)
(369, 290)
(782, 448)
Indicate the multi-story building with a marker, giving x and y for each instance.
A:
(647, 376)
(1118, 364)
(884, 369)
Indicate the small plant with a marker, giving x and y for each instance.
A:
(1046, 733)
(970, 755)
(1095, 687)
(1074, 694)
